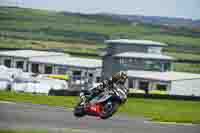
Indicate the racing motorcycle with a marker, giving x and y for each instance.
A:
(103, 105)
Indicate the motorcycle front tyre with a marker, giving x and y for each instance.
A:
(79, 111)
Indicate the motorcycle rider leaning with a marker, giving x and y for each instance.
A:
(117, 80)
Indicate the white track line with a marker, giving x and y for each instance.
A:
(7, 102)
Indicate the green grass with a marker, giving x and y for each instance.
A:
(71, 47)
(159, 110)
(39, 99)
(42, 29)
(56, 26)
(184, 56)
(21, 131)
(163, 110)
(186, 67)
(172, 39)
(67, 130)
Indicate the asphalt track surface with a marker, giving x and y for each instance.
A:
(57, 119)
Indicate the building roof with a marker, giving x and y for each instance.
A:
(144, 55)
(68, 61)
(137, 42)
(162, 76)
(28, 53)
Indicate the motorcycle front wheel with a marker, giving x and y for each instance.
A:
(79, 111)
(109, 109)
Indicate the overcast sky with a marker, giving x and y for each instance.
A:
(170, 8)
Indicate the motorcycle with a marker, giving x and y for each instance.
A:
(104, 105)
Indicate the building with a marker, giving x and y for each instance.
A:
(123, 55)
(174, 83)
(78, 68)
(44, 62)
(20, 58)
(147, 67)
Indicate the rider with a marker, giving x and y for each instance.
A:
(117, 80)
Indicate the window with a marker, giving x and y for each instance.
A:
(48, 69)
(76, 75)
(167, 66)
(153, 66)
(62, 70)
(130, 83)
(90, 75)
(35, 68)
(20, 64)
(7, 63)
(161, 87)
(130, 60)
(143, 85)
(98, 79)
(156, 50)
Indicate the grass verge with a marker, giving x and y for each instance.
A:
(158, 110)
(21, 131)
(38, 131)
(39, 99)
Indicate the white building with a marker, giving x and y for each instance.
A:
(148, 67)
(78, 68)
(175, 83)
(20, 58)
(44, 62)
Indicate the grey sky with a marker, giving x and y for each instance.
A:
(171, 8)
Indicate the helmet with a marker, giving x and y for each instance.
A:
(119, 76)
(123, 75)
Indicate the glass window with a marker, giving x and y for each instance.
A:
(35, 68)
(7, 63)
(90, 75)
(167, 66)
(62, 70)
(121, 60)
(130, 60)
(161, 87)
(48, 69)
(153, 66)
(143, 85)
(130, 83)
(76, 75)
(98, 79)
(20, 64)
(156, 50)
